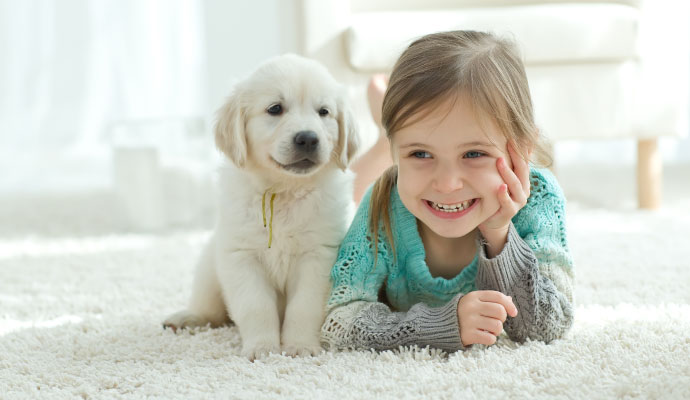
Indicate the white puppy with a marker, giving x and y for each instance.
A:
(285, 205)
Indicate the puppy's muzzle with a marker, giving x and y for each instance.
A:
(304, 153)
(306, 143)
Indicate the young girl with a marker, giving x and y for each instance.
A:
(460, 239)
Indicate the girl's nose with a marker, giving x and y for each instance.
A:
(447, 180)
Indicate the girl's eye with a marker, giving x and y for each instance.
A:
(275, 109)
(323, 111)
(473, 154)
(420, 154)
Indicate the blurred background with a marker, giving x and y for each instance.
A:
(107, 108)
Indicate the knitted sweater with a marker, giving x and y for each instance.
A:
(534, 267)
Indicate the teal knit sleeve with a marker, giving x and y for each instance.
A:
(535, 267)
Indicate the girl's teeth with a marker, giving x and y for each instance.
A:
(451, 207)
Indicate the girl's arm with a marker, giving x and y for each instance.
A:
(367, 325)
(534, 267)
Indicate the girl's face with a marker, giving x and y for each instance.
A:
(447, 174)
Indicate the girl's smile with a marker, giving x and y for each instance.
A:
(451, 211)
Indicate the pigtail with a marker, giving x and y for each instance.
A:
(380, 207)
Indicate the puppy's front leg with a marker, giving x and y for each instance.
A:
(307, 292)
(251, 302)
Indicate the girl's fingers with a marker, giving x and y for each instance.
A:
(493, 296)
(477, 336)
(504, 199)
(515, 187)
(521, 168)
(491, 325)
(508, 207)
(510, 307)
(494, 310)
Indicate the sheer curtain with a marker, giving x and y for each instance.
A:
(80, 77)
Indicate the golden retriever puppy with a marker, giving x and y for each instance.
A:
(285, 205)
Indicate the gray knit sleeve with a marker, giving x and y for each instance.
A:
(372, 325)
(545, 310)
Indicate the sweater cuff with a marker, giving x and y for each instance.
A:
(507, 269)
(439, 327)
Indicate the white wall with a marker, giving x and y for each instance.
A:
(241, 34)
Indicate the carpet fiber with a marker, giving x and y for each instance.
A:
(80, 313)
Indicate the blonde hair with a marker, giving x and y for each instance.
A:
(439, 66)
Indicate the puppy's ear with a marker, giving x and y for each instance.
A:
(231, 137)
(348, 136)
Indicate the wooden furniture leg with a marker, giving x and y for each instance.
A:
(649, 174)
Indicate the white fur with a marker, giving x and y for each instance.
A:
(276, 295)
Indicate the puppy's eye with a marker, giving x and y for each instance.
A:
(323, 111)
(275, 109)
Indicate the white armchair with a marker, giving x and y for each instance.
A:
(597, 69)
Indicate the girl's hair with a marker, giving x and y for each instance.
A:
(441, 66)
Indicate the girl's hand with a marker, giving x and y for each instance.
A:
(512, 196)
(481, 315)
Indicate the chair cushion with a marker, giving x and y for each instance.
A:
(546, 34)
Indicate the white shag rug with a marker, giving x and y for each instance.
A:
(81, 301)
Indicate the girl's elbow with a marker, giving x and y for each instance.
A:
(559, 325)
(555, 334)
(548, 332)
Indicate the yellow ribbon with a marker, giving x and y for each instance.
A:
(263, 214)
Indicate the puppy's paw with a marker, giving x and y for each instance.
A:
(259, 350)
(184, 319)
(302, 350)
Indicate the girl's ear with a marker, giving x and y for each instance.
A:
(230, 133)
(348, 136)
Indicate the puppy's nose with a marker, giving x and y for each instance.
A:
(306, 141)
